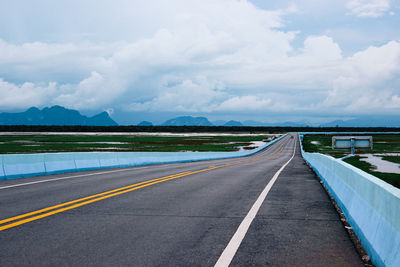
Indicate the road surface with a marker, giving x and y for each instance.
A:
(242, 212)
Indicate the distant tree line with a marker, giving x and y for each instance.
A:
(188, 129)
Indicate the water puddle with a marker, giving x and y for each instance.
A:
(381, 165)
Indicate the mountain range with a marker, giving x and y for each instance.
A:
(188, 121)
(367, 121)
(58, 115)
(55, 115)
(202, 121)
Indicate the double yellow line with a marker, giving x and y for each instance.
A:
(85, 201)
(42, 213)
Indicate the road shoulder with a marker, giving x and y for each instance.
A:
(297, 225)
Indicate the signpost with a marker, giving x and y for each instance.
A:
(352, 142)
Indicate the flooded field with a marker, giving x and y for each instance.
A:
(383, 161)
(11, 143)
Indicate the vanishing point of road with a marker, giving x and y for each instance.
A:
(267, 209)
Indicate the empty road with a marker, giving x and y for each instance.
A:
(264, 210)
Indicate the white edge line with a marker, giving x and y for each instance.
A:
(69, 177)
(233, 245)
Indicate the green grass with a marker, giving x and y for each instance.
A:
(386, 143)
(391, 178)
(82, 143)
(383, 143)
(324, 145)
(394, 159)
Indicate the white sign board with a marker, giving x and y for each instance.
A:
(352, 142)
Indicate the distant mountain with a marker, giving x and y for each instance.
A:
(253, 123)
(101, 119)
(145, 123)
(188, 121)
(290, 124)
(202, 121)
(367, 121)
(364, 121)
(218, 122)
(233, 123)
(55, 115)
(284, 124)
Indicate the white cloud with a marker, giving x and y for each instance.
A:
(368, 81)
(204, 56)
(197, 95)
(110, 111)
(368, 8)
(244, 103)
(321, 48)
(94, 92)
(26, 95)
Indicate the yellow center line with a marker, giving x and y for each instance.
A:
(108, 194)
(82, 199)
(11, 225)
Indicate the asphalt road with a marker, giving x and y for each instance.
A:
(184, 215)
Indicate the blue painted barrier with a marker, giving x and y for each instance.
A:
(86, 161)
(28, 165)
(125, 159)
(107, 159)
(371, 206)
(2, 174)
(18, 166)
(59, 162)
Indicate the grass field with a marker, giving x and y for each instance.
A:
(394, 159)
(321, 144)
(10, 144)
(382, 144)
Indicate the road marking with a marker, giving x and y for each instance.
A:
(86, 198)
(90, 199)
(71, 177)
(108, 194)
(233, 245)
(84, 203)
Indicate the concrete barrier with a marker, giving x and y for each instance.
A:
(371, 206)
(28, 165)
(18, 166)
(2, 174)
(107, 159)
(86, 161)
(59, 162)
(125, 159)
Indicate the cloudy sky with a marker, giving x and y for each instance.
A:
(314, 60)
